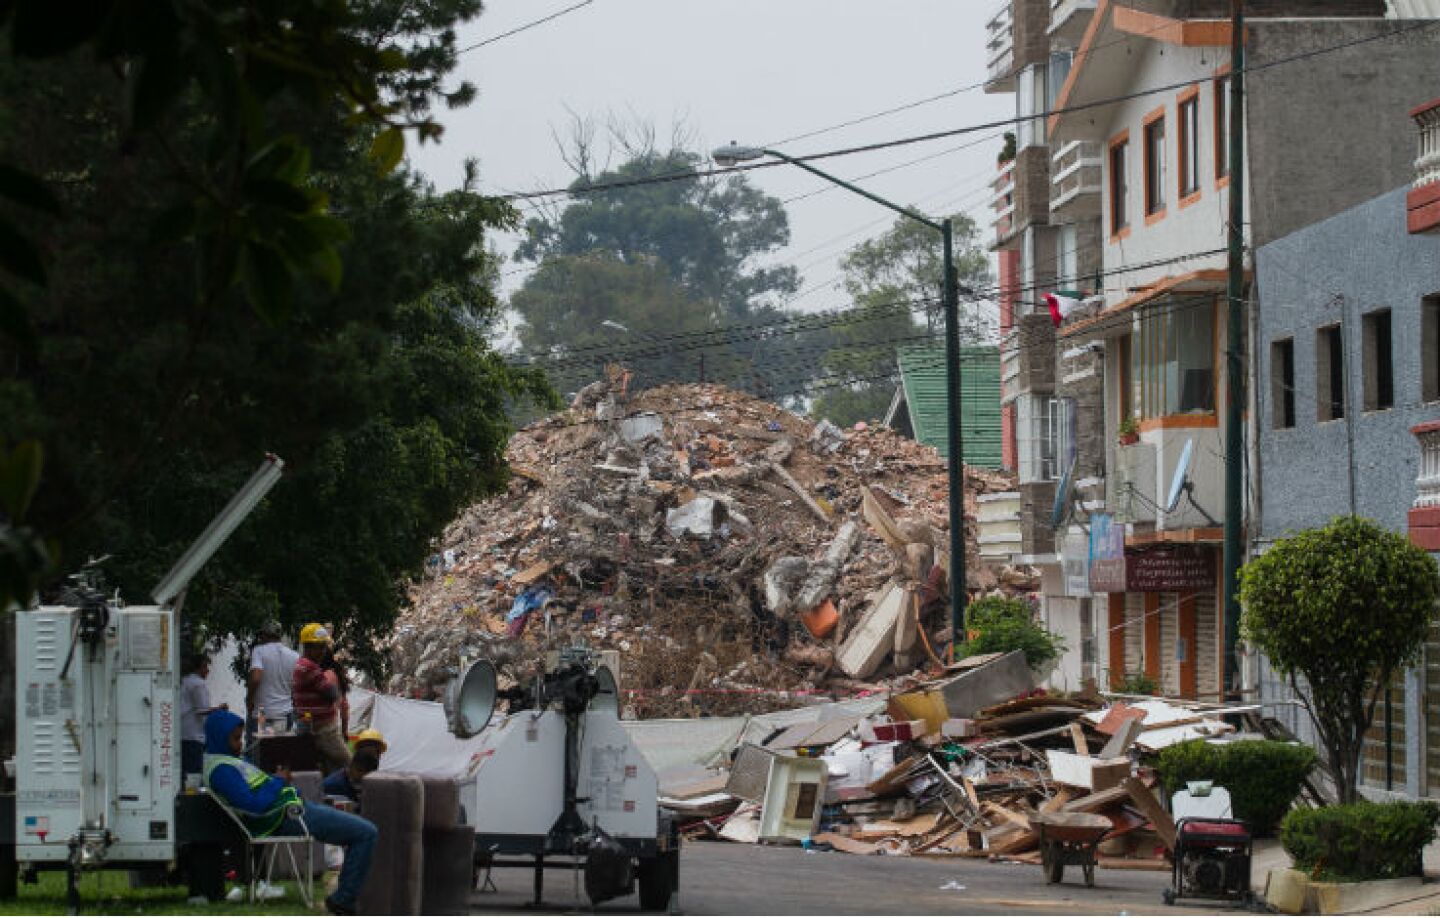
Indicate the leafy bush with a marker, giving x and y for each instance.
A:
(1262, 776)
(999, 625)
(1361, 841)
(1138, 684)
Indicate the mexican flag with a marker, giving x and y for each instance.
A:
(1062, 303)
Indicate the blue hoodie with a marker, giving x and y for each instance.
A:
(227, 780)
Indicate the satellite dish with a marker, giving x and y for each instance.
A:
(1061, 508)
(470, 699)
(1182, 477)
(607, 696)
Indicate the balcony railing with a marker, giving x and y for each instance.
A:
(1422, 204)
(1068, 19)
(1427, 483)
(1075, 179)
(1000, 46)
(1001, 534)
(1003, 202)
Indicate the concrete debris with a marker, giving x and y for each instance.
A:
(691, 520)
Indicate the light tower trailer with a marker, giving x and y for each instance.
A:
(558, 783)
(97, 765)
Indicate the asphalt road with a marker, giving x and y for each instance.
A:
(721, 878)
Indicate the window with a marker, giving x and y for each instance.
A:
(1222, 128)
(1329, 374)
(1189, 146)
(1030, 102)
(1379, 365)
(1060, 64)
(1119, 186)
(1042, 436)
(1430, 348)
(1068, 258)
(1174, 359)
(1282, 383)
(1125, 379)
(1155, 167)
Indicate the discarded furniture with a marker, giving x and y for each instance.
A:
(794, 793)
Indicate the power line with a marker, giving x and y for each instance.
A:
(529, 25)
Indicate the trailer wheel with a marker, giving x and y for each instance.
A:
(659, 876)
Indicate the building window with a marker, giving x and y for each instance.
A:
(1125, 379)
(1155, 167)
(1174, 359)
(1329, 374)
(1189, 118)
(1430, 348)
(1060, 64)
(1030, 103)
(1068, 258)
(1042, 424)
(1282, 383)
(1119, 185)
(1222, 128)
(1379, 363)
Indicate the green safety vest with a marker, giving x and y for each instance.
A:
(261, 824)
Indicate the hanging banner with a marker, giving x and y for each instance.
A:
(1075, 564)
(1107, 554)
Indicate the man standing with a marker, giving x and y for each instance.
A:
(262, 801)
(272, 670)
(194, 707)
(315, 692)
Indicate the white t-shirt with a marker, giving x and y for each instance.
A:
(194, 702)
(277, 665)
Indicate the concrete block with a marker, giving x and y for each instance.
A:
(1349, 898)
(1285, 890)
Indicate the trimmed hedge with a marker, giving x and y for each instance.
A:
(1361, 841)
(1262, 776)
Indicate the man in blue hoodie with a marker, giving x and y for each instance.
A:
(262, 800)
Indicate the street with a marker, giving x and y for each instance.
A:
(719, 878)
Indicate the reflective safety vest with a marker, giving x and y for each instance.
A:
(260, 824)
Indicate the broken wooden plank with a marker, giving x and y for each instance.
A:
(1093, 803)
(1062, 796)
(1150, 806)
(846, 843)
(1121, 740)
(800, 491)
(1077, 736)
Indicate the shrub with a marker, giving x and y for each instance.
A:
(1138, 684)
(999, 625)
(1262, 776)
(1361, 841)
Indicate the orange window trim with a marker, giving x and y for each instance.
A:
(1221, 130)
(1180, 422)
(1182, 159)
(1120, 139)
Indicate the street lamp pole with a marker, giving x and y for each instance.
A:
(950, 301)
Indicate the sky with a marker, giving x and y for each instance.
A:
(759, 72)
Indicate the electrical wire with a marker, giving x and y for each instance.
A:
(526, 27)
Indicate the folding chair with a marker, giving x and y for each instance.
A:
(269, 847)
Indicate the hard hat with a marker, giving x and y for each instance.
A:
(370, 735)
(315, 633)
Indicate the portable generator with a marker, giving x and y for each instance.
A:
(1212, 861)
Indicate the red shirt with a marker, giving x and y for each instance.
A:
(315, 691)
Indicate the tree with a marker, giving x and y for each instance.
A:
(890, 279)
(156, 392)
(1340, 611)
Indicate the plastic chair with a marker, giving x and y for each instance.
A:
(269, 847)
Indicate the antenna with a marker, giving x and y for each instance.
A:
(1180, 483)
(220, 528)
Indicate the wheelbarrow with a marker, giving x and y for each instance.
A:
(1069, 838)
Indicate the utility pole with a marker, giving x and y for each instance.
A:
(955, 438)
(1234, 352)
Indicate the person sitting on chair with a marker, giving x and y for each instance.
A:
(347, 782)
(262, 801)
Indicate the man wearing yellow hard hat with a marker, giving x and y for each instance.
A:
(369, 739)
(316, 694)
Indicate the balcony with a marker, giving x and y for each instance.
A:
(1075, 180)
(1068, 20)
(1131, 483)
(1425, 512)
(1000, 50)
(1423, 201)
(1003, 202)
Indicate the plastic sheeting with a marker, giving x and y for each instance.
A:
(418, 738)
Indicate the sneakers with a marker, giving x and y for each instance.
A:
(265, 892)
(335, 908)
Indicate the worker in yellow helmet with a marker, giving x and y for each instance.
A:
(369, 739)
(316, 695)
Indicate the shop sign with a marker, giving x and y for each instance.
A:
(1169, 569)
(1107, 554)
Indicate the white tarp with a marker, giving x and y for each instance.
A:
(419, 741)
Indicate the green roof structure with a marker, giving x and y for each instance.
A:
(920, 401)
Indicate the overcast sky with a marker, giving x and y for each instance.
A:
(754, 71)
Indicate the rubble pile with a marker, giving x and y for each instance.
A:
(975, 764)
(738, 556)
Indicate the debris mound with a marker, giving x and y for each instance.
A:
(738, 556)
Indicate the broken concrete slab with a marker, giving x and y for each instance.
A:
(873, 639)
(1000, 679)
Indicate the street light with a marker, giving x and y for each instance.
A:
(733, 154)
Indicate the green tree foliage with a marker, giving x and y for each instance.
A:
(694, 250)
(894, 285)
(156, 391)
(1263, 776)
(1362, 840)
(1339, 611)
(999, 625)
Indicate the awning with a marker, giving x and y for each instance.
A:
(1116, 319)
